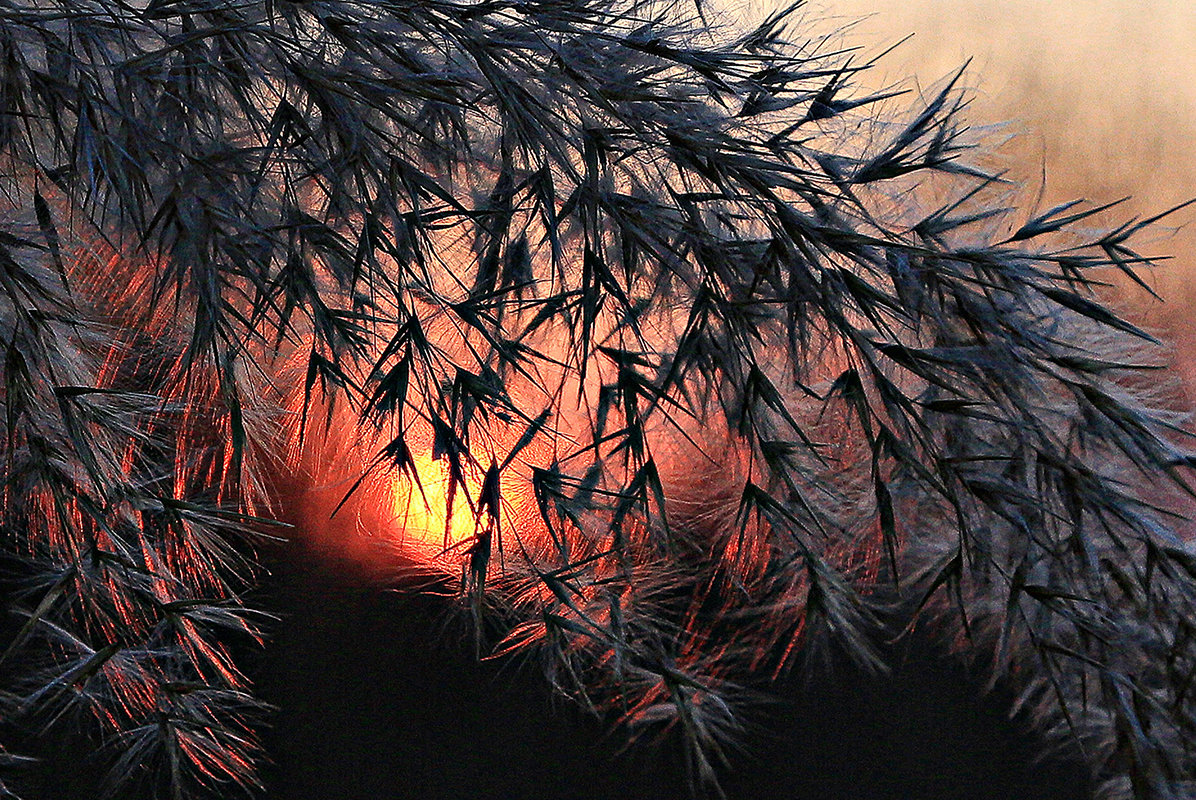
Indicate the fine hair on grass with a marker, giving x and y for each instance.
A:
(725, 362)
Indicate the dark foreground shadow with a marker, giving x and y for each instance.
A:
(380, 696)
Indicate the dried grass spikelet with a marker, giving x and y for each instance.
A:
(595, 248)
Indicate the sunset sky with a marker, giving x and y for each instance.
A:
(1103, 87)
(1100, 91)
(424, 400)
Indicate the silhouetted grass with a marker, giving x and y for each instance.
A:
(606, 229)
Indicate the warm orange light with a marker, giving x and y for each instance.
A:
(422, 518)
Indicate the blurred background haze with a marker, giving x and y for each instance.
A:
(1099, 96)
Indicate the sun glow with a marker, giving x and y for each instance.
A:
(433, 514)
(423, 513)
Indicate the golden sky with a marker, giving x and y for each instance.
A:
(1101, 92)
(1105, 88)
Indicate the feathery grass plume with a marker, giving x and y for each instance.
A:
(600, 230)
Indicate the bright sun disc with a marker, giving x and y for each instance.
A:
(421, 518)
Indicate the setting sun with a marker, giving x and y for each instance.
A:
(596, 399)
(422, 510)
(434, 515)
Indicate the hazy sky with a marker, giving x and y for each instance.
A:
(1101, 91)
(1106, 81)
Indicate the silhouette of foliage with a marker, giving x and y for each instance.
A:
(607, 225)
